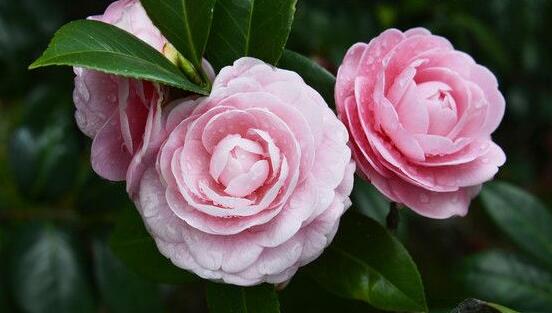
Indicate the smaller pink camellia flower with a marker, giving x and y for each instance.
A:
(114, 110)
(252, 183)
(420, 115)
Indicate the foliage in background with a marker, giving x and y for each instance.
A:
(56, 215)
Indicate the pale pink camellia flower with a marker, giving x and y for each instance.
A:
(252, 183)
(119, 113)
(114, 110)
(420, 115)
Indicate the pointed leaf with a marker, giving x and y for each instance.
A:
(314, 75)
(236, 299)
(103, 47)
(369, 201)
(185, 23)
(508, 279)
(46, 275)
(365, 262)
(136, 248)
(121, 289)
(522, 217)
(256, 28)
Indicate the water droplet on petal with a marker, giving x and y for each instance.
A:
(370, 60)
(484, 146)
(454, 198)
(485, 160)
(424, 198)
(402, 82)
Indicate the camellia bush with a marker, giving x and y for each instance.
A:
(240, 156)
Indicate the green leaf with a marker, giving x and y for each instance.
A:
(136, 248)
(236, 299)
(256, 28)
(185, 23)
(303, 295)
(369, 201)
(366, 263)
(478, 306)
(522, 217)
(38, 157)
(508, 279)
(314, 75)
(122, 290)
(103, 47)
(46, 275)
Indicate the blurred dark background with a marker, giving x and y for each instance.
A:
(50, 200)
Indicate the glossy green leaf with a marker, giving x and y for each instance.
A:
(522, 217)
(136, 248)
(304, 295)
(256, 28)
(365, 262)
(103, 47)
(37, 158)
(509, 280)
(185, 23)
(314, 75)
(46, 274)
(478, 306)
(369, 201)
(121, 289)
(235, 299)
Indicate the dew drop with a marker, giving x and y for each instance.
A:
(485, 160)
(402, 82)
(454, 199)
(370, 60)
(424, 198)
(484, 146)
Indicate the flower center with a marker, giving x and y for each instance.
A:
(440, 105)
(239, 165)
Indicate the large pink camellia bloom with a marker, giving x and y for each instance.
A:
(114, 110)
(252, 184)
(420, 115)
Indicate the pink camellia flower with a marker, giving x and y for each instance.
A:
(252, 183)
(113, 110)
(420, 115)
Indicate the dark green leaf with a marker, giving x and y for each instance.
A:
(256, 28)
(185, 23)
(303, 295)
(508, 279)
(136, 248)
(236, 299)
(37, 158)
(366, 263)
(122, 290)
(522, 217)
(369, 201)
(478, 306)
(23, 157)
(46, 275)
(314, 75)
(103, 47)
